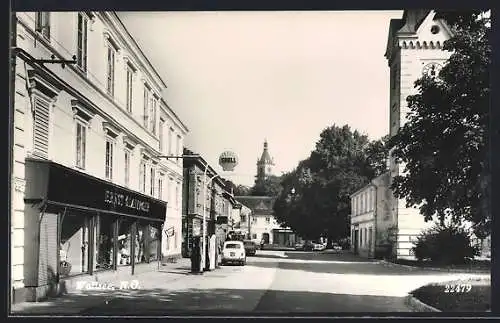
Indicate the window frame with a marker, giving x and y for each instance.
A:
(160, 186)
(129, 96)
(146, 98)
(127, 155)
(142, 175)
(152, 113)
(152, 180)
(81, 123)
(111, 52)
(36, 129)
(178, 148)
(161, 135)
(82, 51)
(171, 133)
(109, 163)
(42, 24)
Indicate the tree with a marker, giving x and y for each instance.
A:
(377, 152)
(340, 164)
(242, 190)
(270, 186)
(444, 143)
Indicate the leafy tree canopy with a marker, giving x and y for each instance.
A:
(342, 162)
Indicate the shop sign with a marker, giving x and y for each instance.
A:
(58, 183)
(228, 160)
(124, 200)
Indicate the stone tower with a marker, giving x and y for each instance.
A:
(414, 47)
(265, 164)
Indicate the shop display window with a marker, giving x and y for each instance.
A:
(141, 240)
(124, 252)
(154, 242)
(74, 243)
(104, 242)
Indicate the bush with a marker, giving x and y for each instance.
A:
(447, 245)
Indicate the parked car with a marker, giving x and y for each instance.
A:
(336, 246)
(299, 246)
(234, 252)
(308, 246)
(250, 247)
(317, 246)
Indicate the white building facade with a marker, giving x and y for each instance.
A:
(371, 222)
(98, 127)
(414, 47)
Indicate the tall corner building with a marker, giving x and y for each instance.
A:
(414, 47)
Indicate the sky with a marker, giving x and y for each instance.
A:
(236, 79)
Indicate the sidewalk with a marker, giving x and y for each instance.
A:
(75, 302)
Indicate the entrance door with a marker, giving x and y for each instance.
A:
(356, 241)
(265, 237)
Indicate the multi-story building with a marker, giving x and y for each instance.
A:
(218, 203)
(370, 221)
(414, 47)
(90, 195)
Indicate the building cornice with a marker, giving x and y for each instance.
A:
(122, 32)
(173, 116)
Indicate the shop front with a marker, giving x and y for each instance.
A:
(78, 225)
(284, 237)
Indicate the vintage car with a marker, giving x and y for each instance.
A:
(250, 247)
(234, 252)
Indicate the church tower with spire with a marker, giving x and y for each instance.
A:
(265, 164)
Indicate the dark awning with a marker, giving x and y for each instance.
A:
(58, 184)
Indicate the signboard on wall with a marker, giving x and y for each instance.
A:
(65, 185)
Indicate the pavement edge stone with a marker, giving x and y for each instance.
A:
(444, 270)
(419, 306)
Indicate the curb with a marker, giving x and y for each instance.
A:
(444, 270)
(419, 306)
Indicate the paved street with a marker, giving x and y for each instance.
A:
(271, 282)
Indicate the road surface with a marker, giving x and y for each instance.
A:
(272, 282)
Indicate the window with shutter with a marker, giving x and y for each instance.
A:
(41, 120)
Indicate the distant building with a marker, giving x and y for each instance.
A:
(265, 165)
(219, 202)
(370, 220)
(262, 225)
(240, 218)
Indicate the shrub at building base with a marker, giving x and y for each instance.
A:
(446, 245)
(384, 251)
